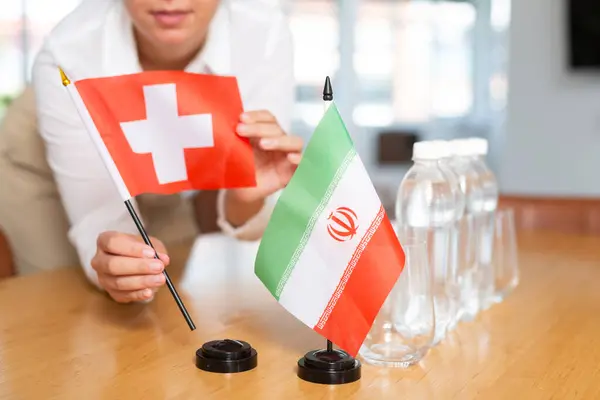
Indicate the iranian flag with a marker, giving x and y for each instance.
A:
(330, 255)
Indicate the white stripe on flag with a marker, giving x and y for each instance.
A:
(98, 142)
(324, 260)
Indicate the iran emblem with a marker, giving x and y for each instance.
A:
(342, 225)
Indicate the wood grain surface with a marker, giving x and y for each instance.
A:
(61, 339)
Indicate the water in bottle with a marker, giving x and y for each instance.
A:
(426, 206)
(469, 229)
(454, 255)
(478, 148)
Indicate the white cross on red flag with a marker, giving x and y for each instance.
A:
(167, 131)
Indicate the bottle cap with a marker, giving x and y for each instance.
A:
(430, 150)
(226, 356)
(479, 146)
(443, 148)
(461, 147)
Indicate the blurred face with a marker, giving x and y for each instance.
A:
(172, 22)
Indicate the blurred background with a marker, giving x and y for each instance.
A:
(406, 70)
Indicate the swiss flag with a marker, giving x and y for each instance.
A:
(167, 131)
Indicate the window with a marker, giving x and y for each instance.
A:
(374, 65)
(11, 43)
(315, 31)
(23, 26)
(500, 22)
(413, 61)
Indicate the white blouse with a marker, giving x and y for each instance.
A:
(247, 38)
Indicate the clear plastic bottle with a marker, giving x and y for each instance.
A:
(426, 207)
(478, 148)
(460, 202)
(469, 228)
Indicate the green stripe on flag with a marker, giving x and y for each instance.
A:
(326, 157)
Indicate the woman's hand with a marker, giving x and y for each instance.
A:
(276, 155)
(126, 266)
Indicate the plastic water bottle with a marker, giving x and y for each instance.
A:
(478, 148)
(426, 205)
(460, 202)
(469, 228)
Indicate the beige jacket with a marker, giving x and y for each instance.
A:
(31, 212)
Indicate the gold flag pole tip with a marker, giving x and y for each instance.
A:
(63, 77)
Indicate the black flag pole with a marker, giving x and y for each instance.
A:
(328, 98)
(142, 230)
(329, 367)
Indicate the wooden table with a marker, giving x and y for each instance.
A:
(59, 339)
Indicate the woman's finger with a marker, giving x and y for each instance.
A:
(164, 258)
(250, 117)
(129, 296)
(283, 143)
(131, 283)
(123, 244)
(259, 130)
(121, 266)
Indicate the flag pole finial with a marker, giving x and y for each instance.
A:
(327, 90)
(65, 80)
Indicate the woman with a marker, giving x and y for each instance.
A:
(247, 39)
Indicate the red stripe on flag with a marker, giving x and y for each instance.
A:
(369, 277)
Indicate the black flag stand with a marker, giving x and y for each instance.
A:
(329, 367)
